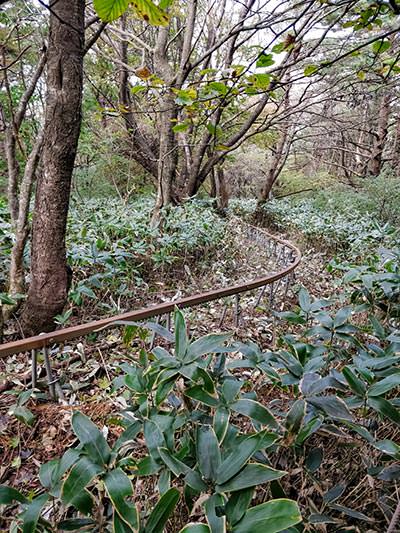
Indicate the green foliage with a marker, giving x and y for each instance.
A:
(346, 222)
(109, 10)
(207, 435)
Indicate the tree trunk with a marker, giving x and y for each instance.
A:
(396, 149)
(375, 163)
(49, 277)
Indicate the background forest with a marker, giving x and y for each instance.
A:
(139, 143)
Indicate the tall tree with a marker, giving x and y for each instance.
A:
(49, 277)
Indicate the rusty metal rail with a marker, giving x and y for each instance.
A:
(287, 256)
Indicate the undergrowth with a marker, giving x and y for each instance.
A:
(227, 436)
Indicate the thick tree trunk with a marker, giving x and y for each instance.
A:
(168, 156)
(49, 277)
(380, 136)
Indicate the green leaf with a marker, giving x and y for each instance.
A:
(181, 339)
(221, 422)
(255, 411)
(216, 522)
(308, 429)
(198, 393)
(162, 511)
(333, 406)
(381, 46)
(91, 437)
(72, 524)
(109, 10)
(239, 455)
(385, 408)
(251, 475)
(176, 466)
(295, 416)
(271, 517)
(181, 126)
(238, 504)
(119, 487)
(195, 528)
(5, 299)
(355, 384)
(309, 70)
(8, 495)
(389, 447)
(23, 415)
(265, 60)
(208, 452)
(218, 86)
(79, 477)
(154, 438)
(207, 344)
(385, 385)
(32, 513)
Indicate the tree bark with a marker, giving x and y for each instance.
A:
(380, 136)
(49, 277)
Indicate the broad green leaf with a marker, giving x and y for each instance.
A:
(356, 385)
(79, 477)
(109, 10)
(182, 126)
(385, 408)
(381, 46)
(333, 406)
(334, 493)
(216, 522)
(119, 487)
(208, 452)
(181, 339)
(162, 511)
(218, 86)
(73, 524)
(32, 513)
(309, 70)
(295, 416)
(251, 475)
(8, 495)
(194, 480)
(256, 411)
(207, 344)
(91, 437)
(304, 300)
(308, 429)
(265, 60)
(271, 517)
(198, 393)
(238, 504)
(177, 467)
(119, 526)
(154, 438)
(239, 455)
(23, 414)
(389, 447)
(195, 528)
(221, 422)
(385, 385)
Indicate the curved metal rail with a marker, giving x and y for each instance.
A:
(287, 255)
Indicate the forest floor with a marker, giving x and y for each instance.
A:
(88, 366)
(87, 369)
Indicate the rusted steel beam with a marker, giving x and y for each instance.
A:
(66, 334)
